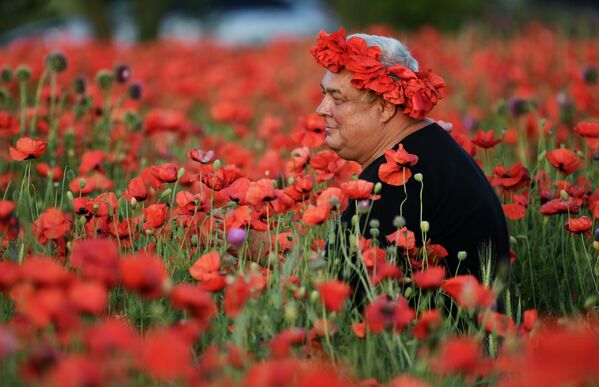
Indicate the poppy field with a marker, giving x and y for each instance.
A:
(166, 210)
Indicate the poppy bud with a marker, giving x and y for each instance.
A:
(399, 221)
(165, 194)
(377, 187)
(374, 223)
(135, 91)
(290, 180)
(122, 73)
(301, 292)
(408, 292)
(418, 177)
(542, 155)
(355, 220)
(590, 75)
(133, 203)
(5, 74)
(194, 240)
(79, 85)
(513, 240)
(590, 302)
(82, 219)
(374, 232)
(104, 79)
(236, 236)
(290, 312)
(56, 62)
(149, 232)
(563, 194)
(596, 245)
(597, 233)
(82, 183)
(69, 245)
(363, 206)
(462, 255)
(23, 73)
(314, 296)
(424, 226)
(217, 164)
(70, 195)
(180, 173)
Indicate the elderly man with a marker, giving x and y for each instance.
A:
(374, 105)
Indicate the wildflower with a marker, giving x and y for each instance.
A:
(96, 259)
(430, 278)
(564, 160)
(27, 148)
(588, 129)
(333, 294)
(203, 157)
(52, 224)
(166, 355)
(485, 140)
(429, 320)
(56, 62)
(396, 170)
(579, 225)
(385, 313)
(144, 274)
(195, 300)
(316, 215)
(460, 356)
(468, 292)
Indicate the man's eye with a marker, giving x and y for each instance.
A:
(338, 101)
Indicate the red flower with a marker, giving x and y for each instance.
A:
(559, 206)
(96, 259)
(333, 294)
(43, 271)
(359, 189)
(429, 320)
(395, 171)
(280, 343)
(430, 278)
(88, 297)
(236, 295)
(497, 323)
(144, 274)
(10, 274)
(330, 50)
(155, 216)
(137, 189)
(512, 178)
(587, 129)
(27, 148)
(166, 355)
(579, 225)
(564, 160)
(460, 356)
(193, 299)
(201, 156)
(45, 170)
(403, 238)
(333, 197)
(91, 160)
(468, 292)
(52, 224)
(485, 140)
(207, 270)
(514, 211)
(316, 215)
(310, 133)
(384, 313)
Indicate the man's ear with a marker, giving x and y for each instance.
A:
(387, 110)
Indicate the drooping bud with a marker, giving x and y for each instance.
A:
(56, 62)
(82, 183)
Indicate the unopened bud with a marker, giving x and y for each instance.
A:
(462, 255)
(378, 187)
(133, 203)
(418, 177)
(165, 194)
(23, 73)
(596, 245)
(408, 292)
(194, 239)
(217, 164)
(513, 240)
(399, 221)
(82, 219)
(82, 183)
(5, 74)
(56, 62)
(70, 195)
(135, 91)
(290, 180)
(180, 173)
(301, 292)
(79, 85)
(563, 194)
(374, 223)
(122, 73)
(104, 79)
(355, 220)
(314, 296)
(363, 206)
(424, 226)
(542, 155)
(374, 232)
(149, 232)
(590, 302)
(290, 312)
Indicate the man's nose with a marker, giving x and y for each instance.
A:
(323, 109)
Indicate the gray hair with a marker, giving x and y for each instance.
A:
(394, 52)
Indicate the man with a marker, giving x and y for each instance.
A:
(374, 105)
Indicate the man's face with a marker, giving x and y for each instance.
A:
(352, 121)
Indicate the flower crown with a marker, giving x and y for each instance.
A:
(415, 92)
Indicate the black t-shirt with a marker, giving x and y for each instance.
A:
(460, 205)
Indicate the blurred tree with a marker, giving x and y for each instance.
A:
(148, 14)
(443, 14)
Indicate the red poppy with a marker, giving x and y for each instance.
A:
(236, 295)
(155, 216)
(497, 323)
(559, 206)
(52, 224)
(529, 320)
(43, 271)
(207, 270)
(310, 132)
(430, 278)
(297, 161)
(359, 189)
(514, 211)
(333, 294)
(193, 299)
(6, 209)
(203, 157)
(91, 160)
(485, 140)
(76, 370)
(27, 148)
(461, 355)
(329, 166)
(330, 50)
(316, 215)
(396, 170)
(137, 189)
(564, 160)
(221, 178)
(384, 313)
(300, 189)
(45, 170)
(259, 191)
(166, 355)
(96, 259)
(10, 274)
(144, 274)
(280, 343)
(407, 381)
(429, 320)
(333, 197)
(579, 225)
(359, 329)
(512, 178)
(587, 129)
(468, 292)
(464, 142)
(403, 238)
(111, 336)
(88, 297)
